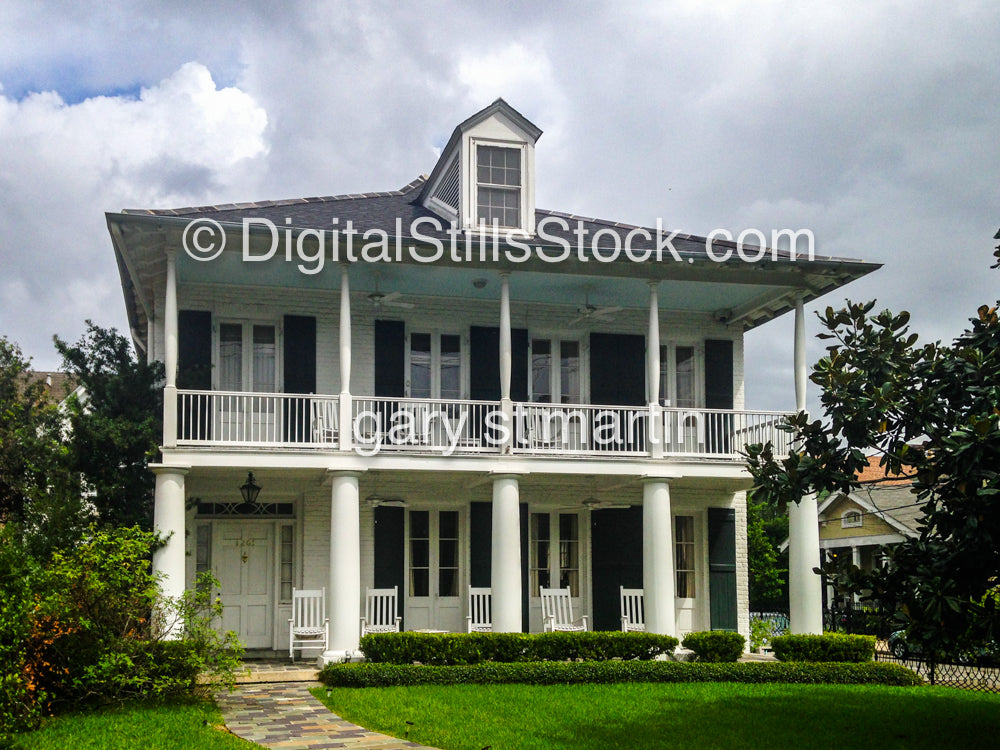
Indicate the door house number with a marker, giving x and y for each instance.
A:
(245, 543)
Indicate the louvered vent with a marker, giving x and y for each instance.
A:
(448, 190)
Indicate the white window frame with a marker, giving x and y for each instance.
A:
(668, 373)
(693, 543)
(247, 352)
(856, 521)
(463, 359)
(553, 566)
(472, 216)
(555, 374)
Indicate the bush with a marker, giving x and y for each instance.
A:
(826, 647)
(474, 648)
(89, 626)
(609, 672)
(715, 645)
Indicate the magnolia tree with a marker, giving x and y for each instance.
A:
(931, 412)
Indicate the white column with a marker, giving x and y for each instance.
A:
(506, 405)
(805, 588)
(168, 522)
(506, 557)
(170, 353)
(653, 374)
(801, 377)
(658, 557)
(344, 590)
(346, 426)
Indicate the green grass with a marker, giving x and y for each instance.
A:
(191, 724)
(698, 715)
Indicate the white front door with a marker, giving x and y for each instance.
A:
(243, 557)
(433, 586)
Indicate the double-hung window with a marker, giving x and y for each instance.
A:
(498, 186)
(677, 378)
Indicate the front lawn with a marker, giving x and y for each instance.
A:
(698, 715)
(189, 724)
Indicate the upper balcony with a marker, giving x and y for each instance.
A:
(220, 419)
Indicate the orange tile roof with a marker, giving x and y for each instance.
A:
(876, 473)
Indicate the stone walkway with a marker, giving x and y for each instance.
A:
(285, 715)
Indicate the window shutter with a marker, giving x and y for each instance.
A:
(390, 544)
(390, 358)
(722, 568)
(480, 544)
(484, 364)
(524, 550)
(194, 371)
(719, 374)
(299, 354)
(617, 369)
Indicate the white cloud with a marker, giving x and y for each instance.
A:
(180, 142)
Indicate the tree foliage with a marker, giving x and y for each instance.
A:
(932, 411)
(766, 528)
(116, 426)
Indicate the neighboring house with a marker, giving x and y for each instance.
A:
(854, 527)
(471, 421)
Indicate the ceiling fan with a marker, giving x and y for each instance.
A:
(381, 299)
(594, 503)
(375, 499)
(593, 312)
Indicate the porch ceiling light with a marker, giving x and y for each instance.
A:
(250, 490)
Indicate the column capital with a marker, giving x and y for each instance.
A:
(169, 469)
(652, 478)
(504, 475)
(334, 473)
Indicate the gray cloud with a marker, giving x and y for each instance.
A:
(873, 124)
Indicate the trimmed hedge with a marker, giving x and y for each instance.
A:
(830, 647)
(608, 672)
(715, 645)
(475, 648)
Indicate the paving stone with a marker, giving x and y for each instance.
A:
(285, 715)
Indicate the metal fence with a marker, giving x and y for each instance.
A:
(859, 619)
(982, 676)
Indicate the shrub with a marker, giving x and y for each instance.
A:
(827, 647)
(80, 629)
(715, 645)
(474, 648)
(609, 672)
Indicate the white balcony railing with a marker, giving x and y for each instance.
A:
(450, 427)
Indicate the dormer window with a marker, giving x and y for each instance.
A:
(498, 186)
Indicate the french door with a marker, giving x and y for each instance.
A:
(248, 362)
(434, 575)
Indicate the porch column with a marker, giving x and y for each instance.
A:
(168, 522)
(805, 588)
(506, 557)
(506, 405)
(346, 420)
(653, 374)
(170, 353)
(658, 557)
(344, 589)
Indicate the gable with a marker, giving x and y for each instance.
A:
(832, 528)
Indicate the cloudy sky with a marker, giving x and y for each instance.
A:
(874, 124)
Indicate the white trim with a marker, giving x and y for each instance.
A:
(470, 184)
(856, 520)
(884, 513)
(861, 541)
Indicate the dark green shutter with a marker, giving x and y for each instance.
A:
(480, 544)
(390, 545)
(299, 373)
(519, 364)
(718, 394)
(618, 378)
(484, 363)
(194, 371)
(616, 560)
(525, 625)
(390, 358)
(722, 568)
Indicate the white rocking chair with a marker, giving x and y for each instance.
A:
(480, 617)
(557, 612)
(309, 627)
(633, 614)
(380, 612)
(324, 420)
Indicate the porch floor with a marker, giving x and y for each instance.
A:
(285, 715)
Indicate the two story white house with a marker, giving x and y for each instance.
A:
(443, 386)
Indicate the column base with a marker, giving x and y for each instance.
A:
(339, 657)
